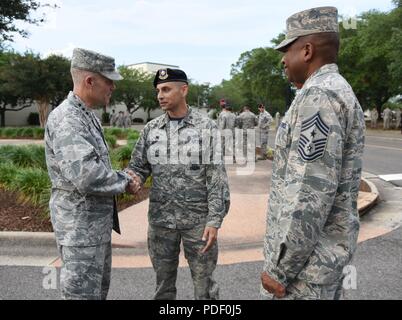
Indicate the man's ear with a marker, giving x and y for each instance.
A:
(89, 81)
(308, 52)
(184, 90)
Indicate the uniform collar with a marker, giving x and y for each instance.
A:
(327, 68)
(187, 119)
(81, 106)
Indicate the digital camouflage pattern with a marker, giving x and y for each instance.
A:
(95, 62)
(246, 120)
(227, 121)
(182, 195)
(86, 272)
(82, 204)
(302, 290)
(387, 118)
(264, 122)
(185, 197)
(164, 249)
(227, 124)
(315, 20)
(398, 117)
(312, 219)
(374, 118)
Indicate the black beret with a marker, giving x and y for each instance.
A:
(169, 75)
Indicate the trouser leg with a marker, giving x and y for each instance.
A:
(84, 272)
(107, 270)
(164, 249)
(201, 265)
(264, 144)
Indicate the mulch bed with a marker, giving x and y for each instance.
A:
(17, 216)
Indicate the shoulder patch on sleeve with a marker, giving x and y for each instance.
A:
(313, 138)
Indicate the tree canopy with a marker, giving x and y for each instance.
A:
(369, 58)
(12, 11)
(33, 79)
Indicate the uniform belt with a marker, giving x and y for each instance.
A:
(65, 188)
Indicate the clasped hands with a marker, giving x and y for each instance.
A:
(135, 185)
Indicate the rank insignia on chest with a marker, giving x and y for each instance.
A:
(313, 138)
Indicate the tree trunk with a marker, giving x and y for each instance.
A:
(3, 117)
(134, 109)
(149, 114)
(379, 110)
(43, 109)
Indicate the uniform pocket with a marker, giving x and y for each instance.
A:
(282, 135)
(79, 253)
(196, 195)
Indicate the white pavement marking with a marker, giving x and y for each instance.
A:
(30, 261)
(382, 147)
(391, 177)
(384, 138)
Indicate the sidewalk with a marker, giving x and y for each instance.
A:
(240, 238)
(25, 257)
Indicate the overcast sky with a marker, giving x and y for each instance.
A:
(203, 37)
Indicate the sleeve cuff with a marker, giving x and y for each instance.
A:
(277, 276)
(214, 223)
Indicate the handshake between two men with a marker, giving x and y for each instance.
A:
(135, 185)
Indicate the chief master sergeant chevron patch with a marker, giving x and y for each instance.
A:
(313, 138)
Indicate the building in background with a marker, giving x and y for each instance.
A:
(150, 67)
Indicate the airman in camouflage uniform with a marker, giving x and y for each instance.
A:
(227, 124)
(120, 120)
(127, 120)
(113, 118)
(264, 122)
(374, 118)
(398, 118)
(188, 200)
(277, 120)
(312, 219)
(247, 121)
(82, 205)
(387, 115)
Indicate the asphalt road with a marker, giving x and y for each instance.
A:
(383, 156)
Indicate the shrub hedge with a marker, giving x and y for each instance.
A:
(23, 169)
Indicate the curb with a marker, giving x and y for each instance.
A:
(21, 238)
(42, 239)
(371, 196)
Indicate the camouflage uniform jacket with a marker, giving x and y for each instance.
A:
(264, 121)
(227, 120)
(182, 195)
(246, 120)
(219, 121)
(312, 219)
(82, 205)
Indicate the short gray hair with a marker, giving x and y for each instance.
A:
(79, 75)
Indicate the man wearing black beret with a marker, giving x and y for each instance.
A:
(189, 198)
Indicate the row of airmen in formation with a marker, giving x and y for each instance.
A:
(387, 116)
(120, 120)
